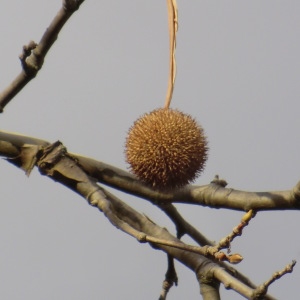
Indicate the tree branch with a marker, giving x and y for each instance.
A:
(72, 175)
(33, 55)
(170, 279)
(57, 164)
(213, 195)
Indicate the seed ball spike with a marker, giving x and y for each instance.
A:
(166, 149)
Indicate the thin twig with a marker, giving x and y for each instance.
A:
(262, 289)
(170, 278)
(237, 231)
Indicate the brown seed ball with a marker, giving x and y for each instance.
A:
(166, 149)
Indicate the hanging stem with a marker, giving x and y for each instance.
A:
(173, 27)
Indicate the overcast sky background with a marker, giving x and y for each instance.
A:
(238, 75)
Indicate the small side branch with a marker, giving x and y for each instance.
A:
(262, 289)
(33, 55)
(170, 278)
(237, 231)
(183, 227)
(230, 282)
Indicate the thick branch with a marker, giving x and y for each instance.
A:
(54, 162)
(212, 195)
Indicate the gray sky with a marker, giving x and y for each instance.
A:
(238, 75)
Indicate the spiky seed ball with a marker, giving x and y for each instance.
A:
(166, 149)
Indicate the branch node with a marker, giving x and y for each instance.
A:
(30, 67)
(142, 237)
(218, 181)
(71, 5)
(296, 191)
